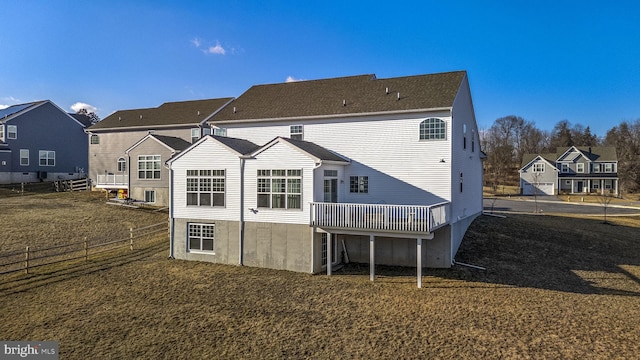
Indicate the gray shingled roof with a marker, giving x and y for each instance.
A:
(360, 94)
(314, 150)
(240, 145)
(167, 114)
(173, 142)
(594, 153)
(81, 118)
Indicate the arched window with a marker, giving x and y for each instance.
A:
(122, 164)
(433, 129)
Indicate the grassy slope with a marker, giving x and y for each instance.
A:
(569, 293)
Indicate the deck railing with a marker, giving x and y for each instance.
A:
(112, 180)
(380, 217)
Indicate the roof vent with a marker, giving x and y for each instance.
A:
(119, 118)
(140, 116)
(234, 109)
(344, 102)
(398, 95)
(198, 112)
(387, 91)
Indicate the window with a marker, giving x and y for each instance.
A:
(2, 132)
(148, 166)
(473, 141)
(205, 187)
(565, 168)
(359, 184)
(195, 135)
(595, 168)
(580, 167)
(24, 157)
(432, 129)
(608, 184)
(12, 132)
(149, 196)
(538, 167)
(296, 132)
(206, 131)
(280, 189)
(608, 167)
(201, 237)
(220, 131)
(95, 139)
(464, 136)
(47, 158)
(331, 173)
(122, 164)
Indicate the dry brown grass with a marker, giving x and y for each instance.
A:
(555, 287)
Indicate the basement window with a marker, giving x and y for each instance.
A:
(201, 237)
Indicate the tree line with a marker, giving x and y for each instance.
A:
(510, 137)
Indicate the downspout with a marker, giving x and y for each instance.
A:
(171, 219)
(313, 229)
(241, 230)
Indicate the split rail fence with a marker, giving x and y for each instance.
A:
(32, 258)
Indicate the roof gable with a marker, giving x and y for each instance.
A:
(168, 114)
(346, 96)
(239, 146)
(535, 159)
(172, 143)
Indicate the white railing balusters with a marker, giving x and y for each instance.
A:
(384, 217)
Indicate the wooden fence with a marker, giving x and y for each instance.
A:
(71, 185)
(32, 258)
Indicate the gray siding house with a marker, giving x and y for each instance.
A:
(41, 142)
(123, 159)
(571, 170)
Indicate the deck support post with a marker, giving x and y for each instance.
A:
(329, 253)
(419, 260)
(372, 256)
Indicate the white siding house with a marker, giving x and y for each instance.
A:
(354, 168)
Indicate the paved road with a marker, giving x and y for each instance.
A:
(551, 204)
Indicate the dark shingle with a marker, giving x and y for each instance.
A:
(167, 114)
(173, 142)
(359, 94)
(315, 150)
(239, 145)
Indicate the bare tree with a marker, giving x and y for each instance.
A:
(605, 199)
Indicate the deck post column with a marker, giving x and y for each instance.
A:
(372, 256)
(419, 260)
(329, 252)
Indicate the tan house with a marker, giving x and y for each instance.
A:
(128, 149)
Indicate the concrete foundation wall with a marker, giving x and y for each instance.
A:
(436, 252)
(266, 245)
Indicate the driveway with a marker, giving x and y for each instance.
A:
(551, 204)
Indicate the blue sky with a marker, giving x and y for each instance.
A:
(545, 61)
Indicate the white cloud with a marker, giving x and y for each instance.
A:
(292, 79)
(80, 105)
(4, 106)
(218, 49)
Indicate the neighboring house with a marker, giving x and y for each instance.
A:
(572, 170)
(124, 159)
(41, 142)
(386, 171)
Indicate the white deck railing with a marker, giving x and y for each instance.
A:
(112, 180)
(380, 217)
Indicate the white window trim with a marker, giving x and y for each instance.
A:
(45, 155)
(121, 164)
(24, 151)
(195, 135)
(536, 165)
(97, 139)
(296, 132)
(2, 132)
(361, 181)
(214, 174)
(143, 159)
(14, 132)
(153, 195)
(200, 251)
(426, 134)
(580, 167)
(270, 178)
(564, 168)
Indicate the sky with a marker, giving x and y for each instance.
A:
(544, 61)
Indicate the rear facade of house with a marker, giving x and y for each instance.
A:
(354, 169)
(41, 142)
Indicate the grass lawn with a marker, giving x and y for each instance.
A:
(555, 287)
